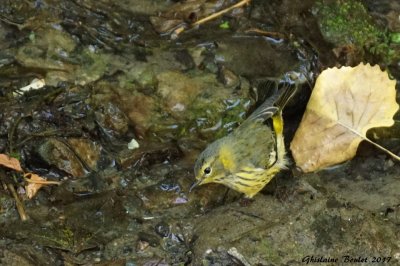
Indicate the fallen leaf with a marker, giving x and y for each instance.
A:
(344, 105)
(32, 188)
(10, 162)
(36, 182)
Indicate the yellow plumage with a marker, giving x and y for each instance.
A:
(248, 158)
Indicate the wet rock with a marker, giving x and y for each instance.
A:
(216, 110)
(112, 121)
(168, 188)
(92, 183)
(52, 51)
(91, 65)
(251, 57)
(76, 157)
(166, 194)
(141, 110)
(49, 49)
(87, 150)
(58, 154)
(159, 99)
(148, 154)
(228, 78)
(184, 104)
(179, 90)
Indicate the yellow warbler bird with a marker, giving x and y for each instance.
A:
(249, 157)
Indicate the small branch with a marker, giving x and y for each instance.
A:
(18, 202)
(220, 13)
(179, 30)
(270, 34)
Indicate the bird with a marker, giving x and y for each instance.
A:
(252, 154)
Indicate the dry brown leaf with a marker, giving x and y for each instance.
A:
(32, 188)
(35, 182)
(10, 162)
(344, 104)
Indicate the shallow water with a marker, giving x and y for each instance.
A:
(113, 76)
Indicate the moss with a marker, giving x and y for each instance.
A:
(395, 37)
(347, 22)
(344, 22)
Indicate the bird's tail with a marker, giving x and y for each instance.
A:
(274, 104)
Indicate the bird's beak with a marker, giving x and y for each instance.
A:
(195, 184)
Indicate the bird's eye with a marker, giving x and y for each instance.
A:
(207, 170)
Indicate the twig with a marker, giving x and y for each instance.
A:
(179, 30)
(270, 34)
(219, 13)
(18, 202)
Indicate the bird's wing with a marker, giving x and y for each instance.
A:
(273, 104)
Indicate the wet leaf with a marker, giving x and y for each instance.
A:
(33, 188)
(345, 103)
(10, 162)
(35, 182)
